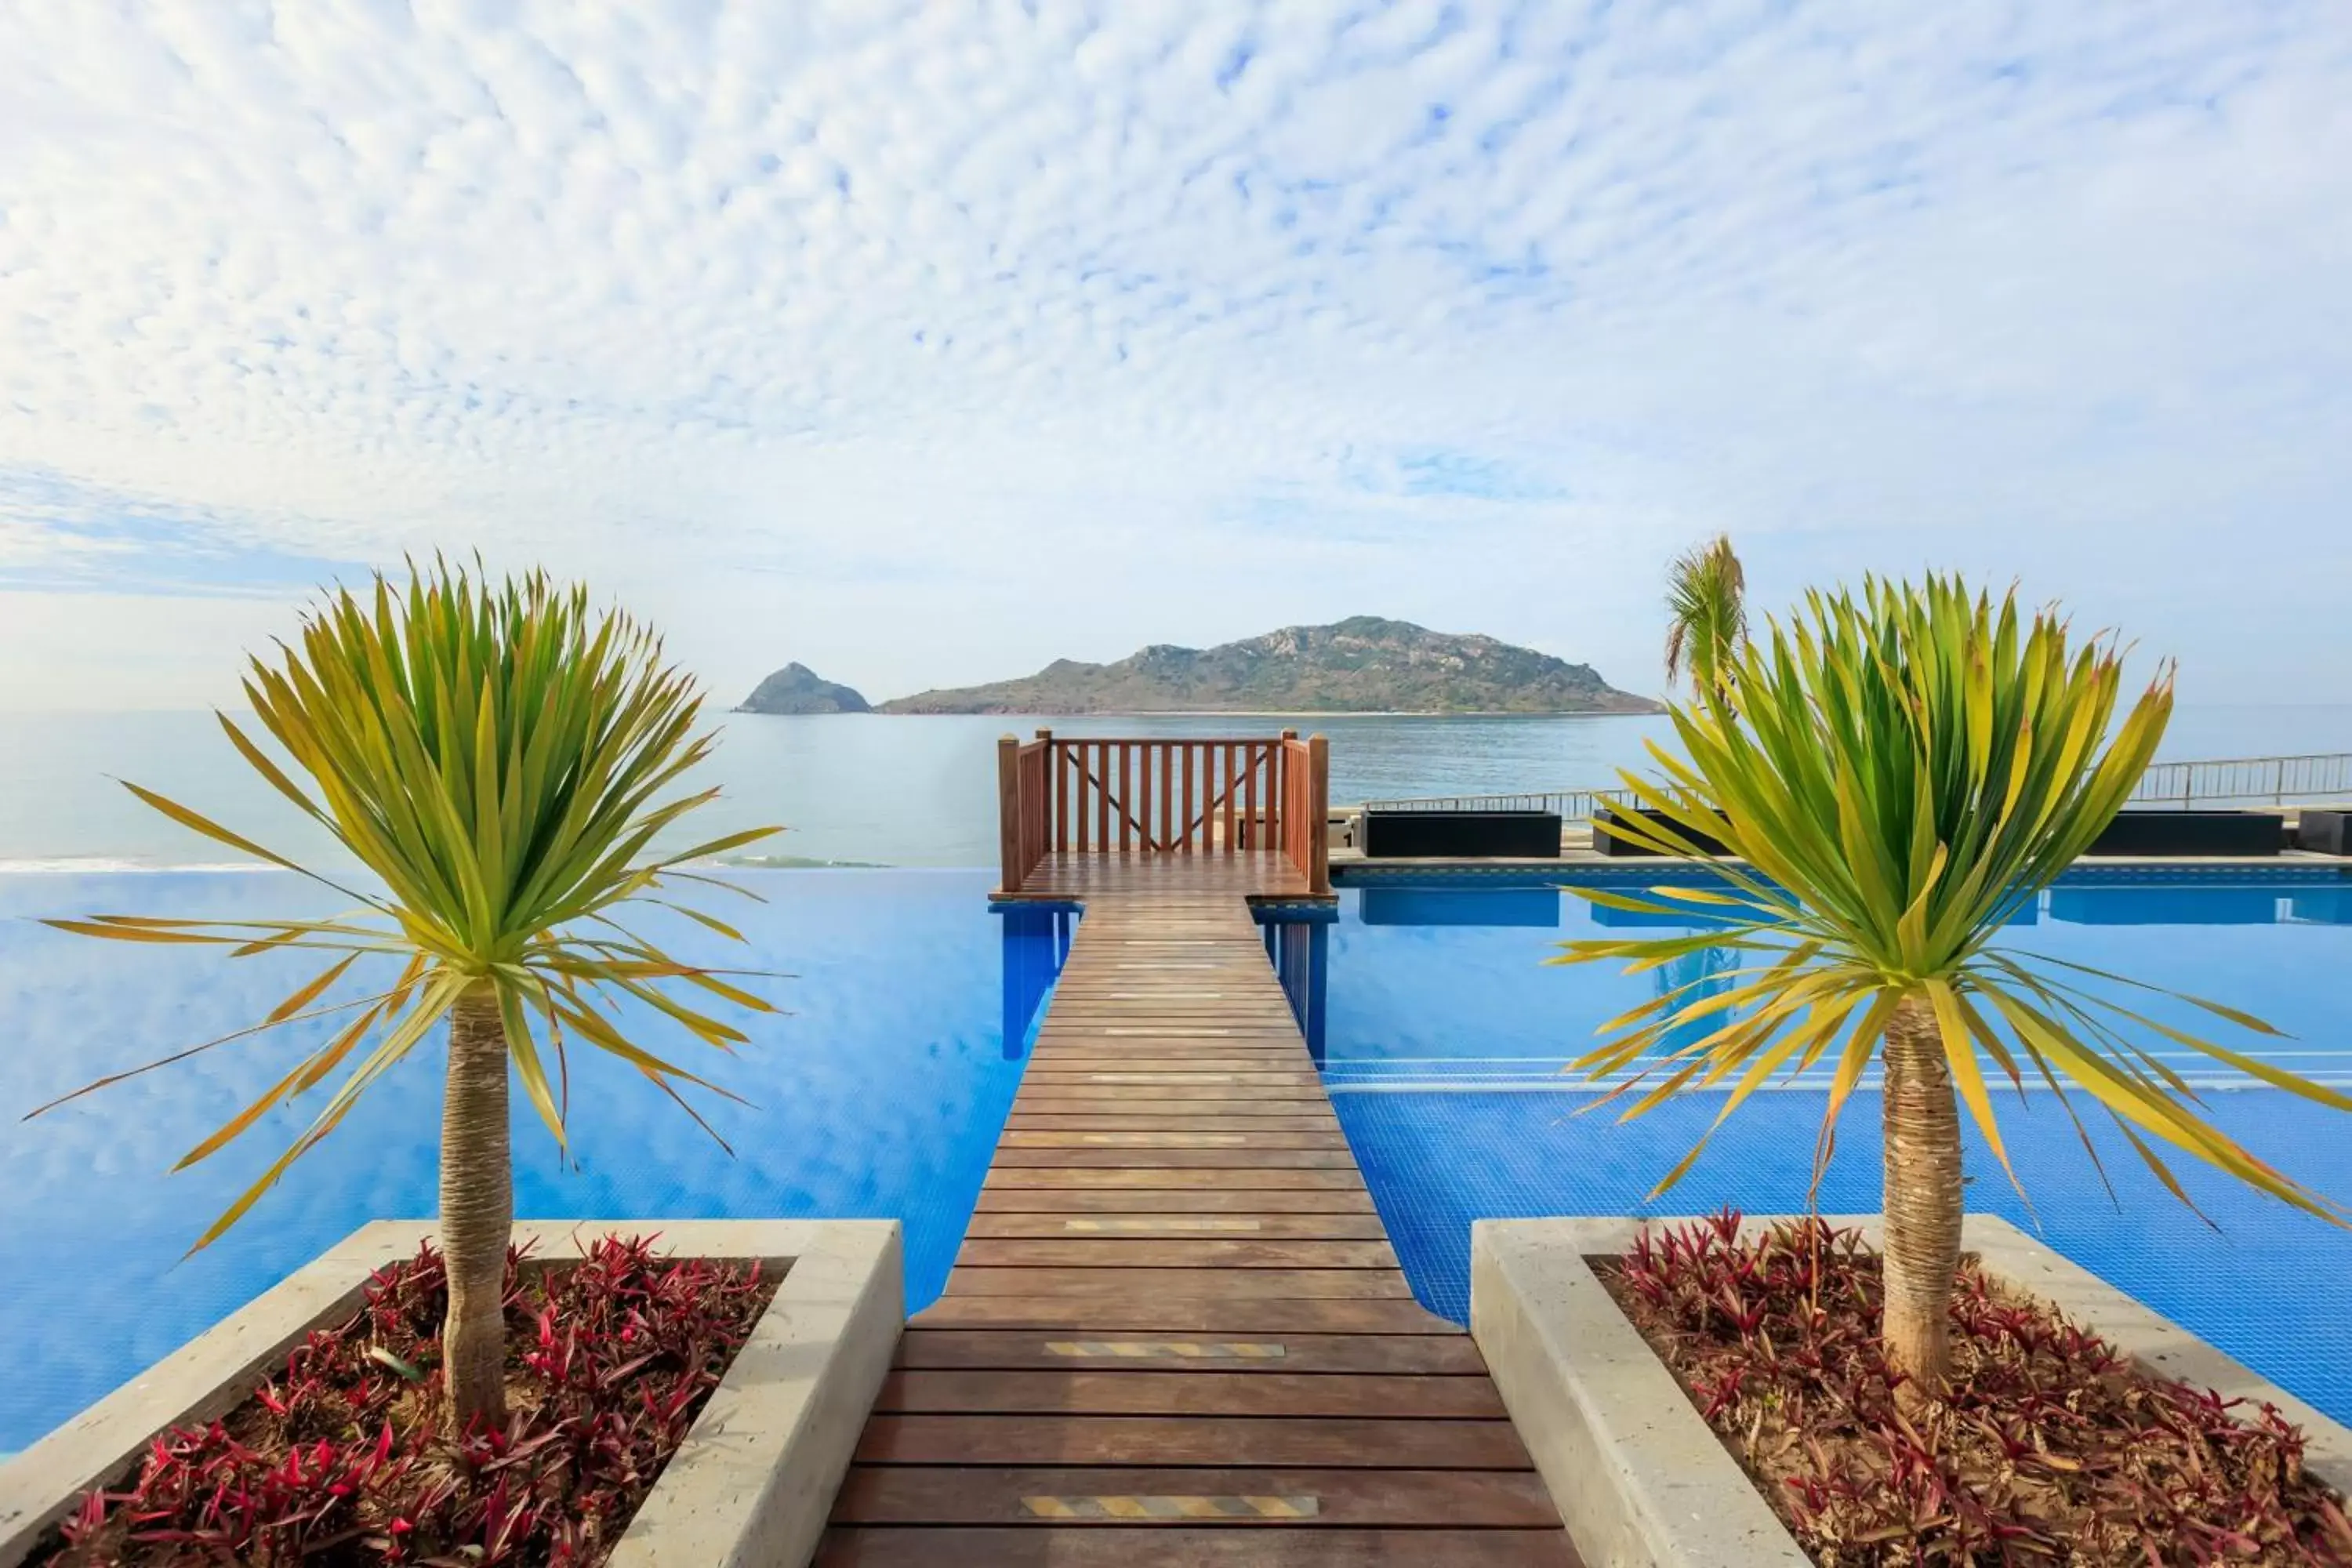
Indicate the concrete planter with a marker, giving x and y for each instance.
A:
(1643, 1482)
(750, 1488)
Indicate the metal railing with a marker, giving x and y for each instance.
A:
(1573, 805)
(2277, 780)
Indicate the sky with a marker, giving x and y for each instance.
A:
(926, 343)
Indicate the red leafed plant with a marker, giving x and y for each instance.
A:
(341, 1461)
(2051, 1447)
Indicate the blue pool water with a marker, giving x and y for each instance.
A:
(881, 1094)
(1445, 1034)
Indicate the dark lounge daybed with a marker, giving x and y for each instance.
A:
(1605, 842)
(1467, 835)
(2324, 831)
(2225, 835)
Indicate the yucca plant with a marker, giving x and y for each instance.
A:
(493, 756)
(1706, 616)
(1906, 770)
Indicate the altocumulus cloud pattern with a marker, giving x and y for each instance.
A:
(853, 307)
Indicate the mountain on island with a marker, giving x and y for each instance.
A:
(797, 689)
(1361, 665)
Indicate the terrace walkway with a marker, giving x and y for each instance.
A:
(1176, 1335)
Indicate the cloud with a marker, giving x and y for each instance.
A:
(1176, 321)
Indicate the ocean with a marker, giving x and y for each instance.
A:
(869, 789)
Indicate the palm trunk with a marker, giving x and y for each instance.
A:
(1923, 1201)
(477, 1210)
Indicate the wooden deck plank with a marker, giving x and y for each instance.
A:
(1251, 1156)
(1367, 1443)
(1191, 1546)
(1200, 1137)
(1138, 1391)
(1163, 1122)
(1238, 1317)
(1176, 1295)
(1196, 1198)
(1196, 1065)
(1170, 1011)
(1048, 1108)
(1130, 1078)
(1012, 1351)
(1112, 1047)
(1176, 1284)
(1099, 1250)
(1210, 1058)
(1199, 1041)
(1285, 1179)
(1173, 1026)
(1190, 1063)
(1070, 1057)
(877, 1494)
(1271, 1099)
(1256, 1227)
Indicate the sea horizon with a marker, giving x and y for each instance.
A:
(900, 789)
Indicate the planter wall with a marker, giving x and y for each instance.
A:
(751, 1485)
(1642, 1481)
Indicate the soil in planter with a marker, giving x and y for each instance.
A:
(341, 1459)
(2053, 1448)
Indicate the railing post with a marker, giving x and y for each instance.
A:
(1318, 813)
(1049, 781)
(1008, 812)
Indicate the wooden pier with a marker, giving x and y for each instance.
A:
(1176, 1335)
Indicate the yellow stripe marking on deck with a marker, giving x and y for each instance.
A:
(1171, 1508)
(1165, 1349)
(1173, 1222)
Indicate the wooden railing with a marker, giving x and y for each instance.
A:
(1092, 795)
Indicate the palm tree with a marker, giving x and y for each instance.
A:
(492, 757)
(1707, 609)
(1905, 772)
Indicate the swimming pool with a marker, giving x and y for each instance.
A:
(1445, 1035)
(879, 1094)
(883, 1090)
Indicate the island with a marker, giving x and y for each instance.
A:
(1361, 665)
(797, 689)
